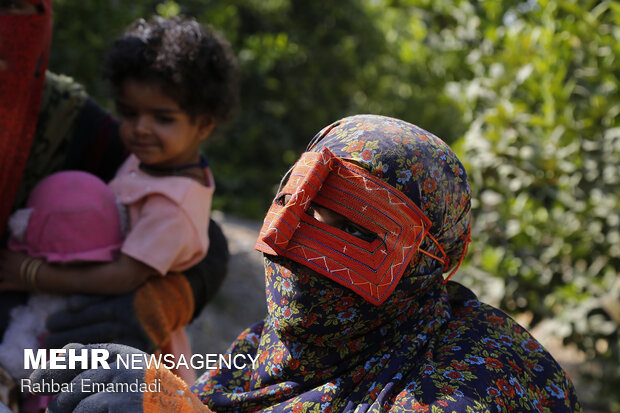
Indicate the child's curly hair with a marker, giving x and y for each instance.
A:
(192, 64)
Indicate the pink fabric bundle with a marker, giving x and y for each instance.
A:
(70, 216)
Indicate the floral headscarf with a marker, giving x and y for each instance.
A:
(415, 162)
(428, 346)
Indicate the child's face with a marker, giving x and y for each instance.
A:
(156, 129)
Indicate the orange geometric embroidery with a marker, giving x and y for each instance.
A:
(372, 269)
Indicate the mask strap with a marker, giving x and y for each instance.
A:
(319, 136)
(443, 253)
(441, 260)
(283, 181)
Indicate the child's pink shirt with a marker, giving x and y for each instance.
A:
(168, 217)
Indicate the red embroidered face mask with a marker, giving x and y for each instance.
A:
(24, 50)
(372, 265)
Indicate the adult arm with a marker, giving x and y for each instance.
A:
(144, 318)
(123, 275)
(160, 390)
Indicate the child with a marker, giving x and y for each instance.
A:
(173, 82)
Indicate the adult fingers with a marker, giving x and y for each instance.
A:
(80, 389)
(82, 384)
(4, 408)
(111, 403)
(57, 376)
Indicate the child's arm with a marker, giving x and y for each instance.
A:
(116, 277)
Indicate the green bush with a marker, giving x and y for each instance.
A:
(543, 151)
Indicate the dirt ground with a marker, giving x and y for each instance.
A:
(241, 302)
(241, 299)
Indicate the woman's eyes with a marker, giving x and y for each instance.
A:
(333, 219)
(336, 220)
(357, 231)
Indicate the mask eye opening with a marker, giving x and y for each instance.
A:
(340, 223)
(282, 199)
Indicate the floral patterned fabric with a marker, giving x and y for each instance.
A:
(431, 346)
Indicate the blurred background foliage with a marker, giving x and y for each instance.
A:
(526, 92)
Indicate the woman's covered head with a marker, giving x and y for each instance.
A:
(329, 341)
(412, 160)
(190, 63)
(400, 198)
